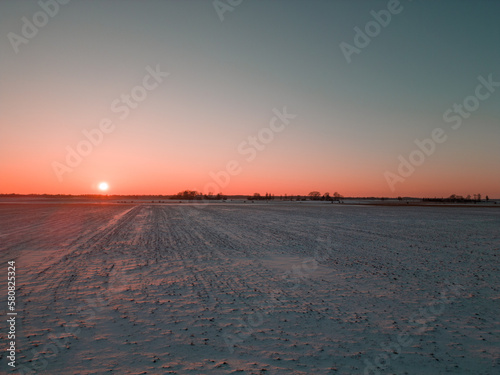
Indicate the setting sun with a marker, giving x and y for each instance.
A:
(103, 186)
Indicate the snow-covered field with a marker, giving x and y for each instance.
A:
(280, 288)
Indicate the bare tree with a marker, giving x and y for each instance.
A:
(314, 195)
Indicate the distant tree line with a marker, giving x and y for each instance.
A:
(258, 197)
(194, 195)
(313, 196)
(454, 198)
(317, 196)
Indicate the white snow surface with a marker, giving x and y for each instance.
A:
(252, 289)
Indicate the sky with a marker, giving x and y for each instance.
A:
(366, 98)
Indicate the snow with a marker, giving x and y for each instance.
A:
(232, 288)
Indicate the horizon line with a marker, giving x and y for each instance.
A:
(483, 198)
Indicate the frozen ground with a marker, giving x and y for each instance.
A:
(253, 289)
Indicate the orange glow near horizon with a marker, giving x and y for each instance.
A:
(246, 183)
